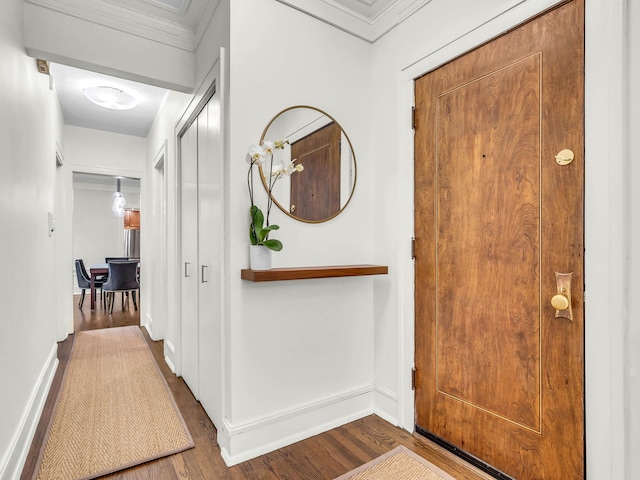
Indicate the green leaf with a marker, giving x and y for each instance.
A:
(252, 235)
(257, 222)
(273, 244)
(257, 217)
(264, 233)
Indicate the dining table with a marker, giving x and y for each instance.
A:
(96, 270)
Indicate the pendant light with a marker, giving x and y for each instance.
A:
(118, 201)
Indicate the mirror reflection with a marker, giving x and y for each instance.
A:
(319, 143)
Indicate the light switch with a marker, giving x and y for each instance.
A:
(52, 223)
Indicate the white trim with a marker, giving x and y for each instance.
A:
(369, 27)
(385, 404)
(148, 324)
(13, 462)
(203, 25)
(606, 236)
(161, 155)
(170, 355)
(156, 292)
(113, 172)
(243, 441)
(405, 284)
(124, 19)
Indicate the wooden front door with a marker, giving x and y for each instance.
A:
(499, 374)
(315, 196)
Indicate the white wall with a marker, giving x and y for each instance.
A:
(632, 327)
(30, 125)
(301, 352)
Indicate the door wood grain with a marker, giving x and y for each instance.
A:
(496, 216)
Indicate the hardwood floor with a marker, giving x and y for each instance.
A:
(323, 457)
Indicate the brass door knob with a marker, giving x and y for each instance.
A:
(560, 302)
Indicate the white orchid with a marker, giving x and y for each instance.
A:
(269, 147)
(256, 155)
(260, 228)
(286, 167)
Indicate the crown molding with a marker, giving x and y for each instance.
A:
(366, 27)
(166, 6)
(212, 6)
(124, 19)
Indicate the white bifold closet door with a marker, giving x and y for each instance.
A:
(202, 257)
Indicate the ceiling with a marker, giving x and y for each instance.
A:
(79, 111)
(181, 23)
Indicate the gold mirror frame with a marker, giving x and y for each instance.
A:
(343, 205)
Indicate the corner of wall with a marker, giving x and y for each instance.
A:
(12, 465)
(170, 355)
(147, 323)
(243, 441)
(386, 404)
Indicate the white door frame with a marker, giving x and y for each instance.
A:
(107, 171)
(157, 290)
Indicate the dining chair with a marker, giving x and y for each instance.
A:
(121, 259)
(84, 281)
(122, 277)
(115, 259)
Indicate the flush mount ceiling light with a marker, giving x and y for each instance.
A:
(110, 97)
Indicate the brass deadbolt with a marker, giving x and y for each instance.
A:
(565, 157)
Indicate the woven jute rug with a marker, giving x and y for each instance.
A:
(114, 409)
(398, 464)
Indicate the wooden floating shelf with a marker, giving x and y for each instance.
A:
(302, 273)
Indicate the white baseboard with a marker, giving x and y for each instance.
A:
(148, 324)
(13, 462)
(385, 404)
(241, 442)
(169, 354)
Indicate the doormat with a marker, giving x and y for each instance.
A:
(114, 409)
(398, 464)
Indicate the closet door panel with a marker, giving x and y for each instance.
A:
(190, 265)
(211, 251)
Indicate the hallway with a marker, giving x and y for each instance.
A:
(324, 456)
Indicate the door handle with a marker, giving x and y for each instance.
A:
(203, 270)
(187, 269)
(561, 301)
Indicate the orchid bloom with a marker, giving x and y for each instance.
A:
(286, 167)
(256, 155)
(268, 146)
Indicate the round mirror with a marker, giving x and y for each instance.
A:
(318, 143)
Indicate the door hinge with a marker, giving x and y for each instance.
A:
(413, 248)
(413, 118)
(413, 378)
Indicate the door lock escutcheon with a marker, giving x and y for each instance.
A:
(561, 301)
(565, 157)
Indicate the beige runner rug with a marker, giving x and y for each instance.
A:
(114, 409)
(398, 464)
